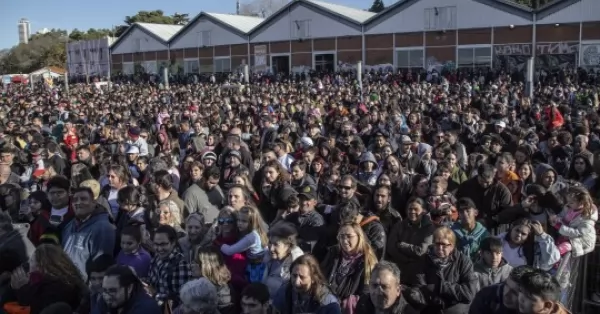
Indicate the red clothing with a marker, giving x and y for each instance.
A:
(71, 141)
(236, 264)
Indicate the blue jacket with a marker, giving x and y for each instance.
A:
(89, 239)
(140, 303)
(468, 243)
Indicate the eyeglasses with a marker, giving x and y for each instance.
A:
(223, 221)
(442, 244)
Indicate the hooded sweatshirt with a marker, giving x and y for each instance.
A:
(369, 178)
(85, 240)
(468, 242)
(558, 184)
(488, 276)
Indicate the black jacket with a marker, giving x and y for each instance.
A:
(351, 284)
(488, 201)
(449, 289)
(375, 232)
(489, 301)
(402, 305)
(406, 245)
(47, 291)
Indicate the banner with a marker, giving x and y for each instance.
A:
(590, 56)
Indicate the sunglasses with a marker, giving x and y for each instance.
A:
(223, 221)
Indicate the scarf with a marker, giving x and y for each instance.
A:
(348, 263)
(439, 262)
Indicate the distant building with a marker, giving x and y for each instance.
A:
(89, 57)
(24, 31)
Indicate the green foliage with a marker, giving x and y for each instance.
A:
(377, 6)
(42, 50)
(91, 34)
(156, 16)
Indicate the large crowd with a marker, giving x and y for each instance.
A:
(433, 193)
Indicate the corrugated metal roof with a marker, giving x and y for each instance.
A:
(240, 22)
(356, 15)
(162, 31)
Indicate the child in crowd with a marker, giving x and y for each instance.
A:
(576, 223)
(253, 242)
(469, 232)
(491, 267)
(132, 254)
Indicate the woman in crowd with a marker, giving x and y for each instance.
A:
(275, 190)
(307, 292)
(348, 265)
(226, 232)
(208, 263)
(524, 238)
(118, 177)
(170, 215)
(52, 278)
(409, 239)
(283, 251)
(449, 283)
(196, 236)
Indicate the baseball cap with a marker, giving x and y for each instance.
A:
(309, 192)
(133, 150)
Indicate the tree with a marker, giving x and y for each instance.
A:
(261, 8)
(42, 50)
(377, 6)
(156, 16)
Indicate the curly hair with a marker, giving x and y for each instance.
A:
(54, 263)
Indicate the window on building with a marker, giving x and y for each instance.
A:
(440, 18)
(191, 66)
(223, 65)
(128, 68)
(409, 58)
(474, 57)
(137, 45)
(300, 29)
(204, 38)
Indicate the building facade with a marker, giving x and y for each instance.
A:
(430, 34)
(24, 28)
(89, 57)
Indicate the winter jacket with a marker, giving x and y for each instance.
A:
(275, 280)
(45, 291)
(468, 243)
(375, 233)
(558, 184)
(581, 233)
(488, 300)
(488, 276)
(139, 303)
(367, 178)
(401, 306)
(286, 299)
(388, 217)
(351, 284)
(489, 201)
(85, 240)
(406, 245)
(541, 253)
(449, 289)
(18, 241)
(196, 200)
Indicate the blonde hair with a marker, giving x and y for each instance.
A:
(445, 233)
(256, 223)
(363, 247)
(173, 210)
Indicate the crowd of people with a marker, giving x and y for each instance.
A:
(444, 193)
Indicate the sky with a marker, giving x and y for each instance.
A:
(71, 14)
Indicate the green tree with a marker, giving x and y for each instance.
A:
(156, 16)
(76, 35)
(377, 6)
(42, 50)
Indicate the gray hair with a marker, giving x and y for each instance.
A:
(389, 266)
(199, 295)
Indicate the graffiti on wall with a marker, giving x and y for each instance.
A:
(513, 50)
(590, 55)
(351, 67)
(560, 48)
